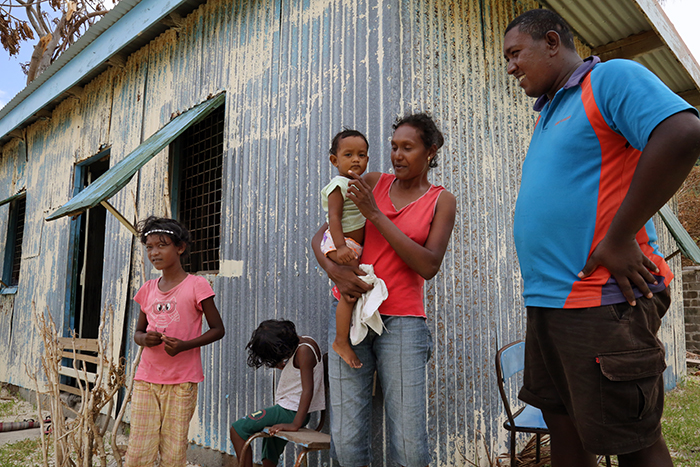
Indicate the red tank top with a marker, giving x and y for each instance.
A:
(404, 284)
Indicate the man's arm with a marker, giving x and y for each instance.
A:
(672, 150)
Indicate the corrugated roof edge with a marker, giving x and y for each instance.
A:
(665, 28)
(119, 10)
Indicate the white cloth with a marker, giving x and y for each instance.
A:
(365, 313)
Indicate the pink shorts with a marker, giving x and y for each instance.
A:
(327, 244)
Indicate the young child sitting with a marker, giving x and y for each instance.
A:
(300, 390)
(342, 242)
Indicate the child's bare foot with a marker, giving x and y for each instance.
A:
(346, 353)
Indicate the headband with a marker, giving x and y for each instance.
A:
(170, 232)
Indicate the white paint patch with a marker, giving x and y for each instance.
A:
(230, 268)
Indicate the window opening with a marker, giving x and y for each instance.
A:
(13, 245)
(89, 256)
(86, 251)
(199, 167)
(20, 207)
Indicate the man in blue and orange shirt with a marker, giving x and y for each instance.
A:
(612, 144)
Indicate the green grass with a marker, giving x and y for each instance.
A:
(681, 422)
(25, 453)
(681, 428)
(7, 408)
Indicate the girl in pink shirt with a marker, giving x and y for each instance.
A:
(170, 330)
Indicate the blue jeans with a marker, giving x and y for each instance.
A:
(400, 356)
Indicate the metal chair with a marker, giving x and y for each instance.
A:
(510, 360)
(309, 440)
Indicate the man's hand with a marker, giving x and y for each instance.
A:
(626, 263)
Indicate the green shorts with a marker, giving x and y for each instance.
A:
(255, 422)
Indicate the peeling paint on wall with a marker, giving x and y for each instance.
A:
(230, 268)
(295, 73)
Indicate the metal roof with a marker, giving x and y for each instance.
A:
(602, 22)
(597, 22)
(98, 61)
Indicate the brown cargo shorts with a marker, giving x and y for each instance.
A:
(603, 366)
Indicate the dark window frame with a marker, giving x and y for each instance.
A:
(197, 157)
(13, 245)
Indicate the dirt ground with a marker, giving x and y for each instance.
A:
(19, 410)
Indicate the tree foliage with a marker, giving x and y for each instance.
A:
(53, 24)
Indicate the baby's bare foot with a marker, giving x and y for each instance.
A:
(347, 354)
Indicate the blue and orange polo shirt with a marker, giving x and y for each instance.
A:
(577, 172)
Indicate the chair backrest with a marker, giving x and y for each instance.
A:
(510, 360)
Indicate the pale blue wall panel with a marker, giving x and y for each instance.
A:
(295, 72)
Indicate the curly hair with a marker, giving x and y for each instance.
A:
(429, 132)
(538, 22)
(346, 133)
(165, 227)
(273, 341)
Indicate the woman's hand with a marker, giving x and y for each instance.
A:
(347, 280)
(344, 277)
(361, 194)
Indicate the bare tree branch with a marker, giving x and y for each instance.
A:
(40, 15)
(55, 30)
(32, 18)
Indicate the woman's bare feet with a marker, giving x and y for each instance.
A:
(343, 349)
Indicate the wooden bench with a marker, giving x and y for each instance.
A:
(85, 352)
(309, 440)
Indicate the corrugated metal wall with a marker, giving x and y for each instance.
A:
(295, 73)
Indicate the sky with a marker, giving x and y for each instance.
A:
(12, 79)
(683, 14)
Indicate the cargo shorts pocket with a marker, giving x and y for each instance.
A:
(630, 384)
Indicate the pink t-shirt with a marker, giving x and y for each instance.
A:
(175, 313)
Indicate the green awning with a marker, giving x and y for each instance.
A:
(685, 242)
(9, 199)
(109, 183)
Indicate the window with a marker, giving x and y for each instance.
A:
(198, 166)
(86, 255)
(13, 245)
